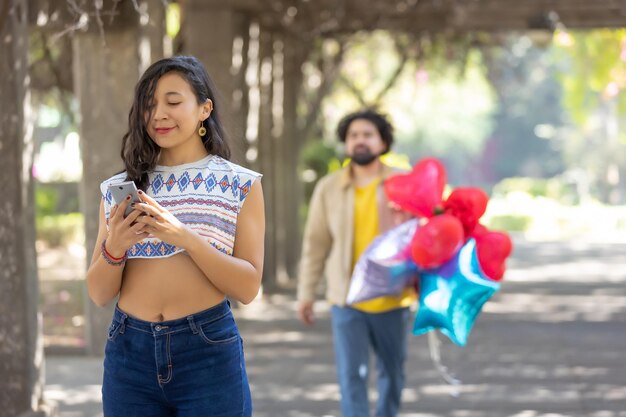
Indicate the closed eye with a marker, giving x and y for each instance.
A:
(174, 104)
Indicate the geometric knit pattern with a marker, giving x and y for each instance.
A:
(205, 195)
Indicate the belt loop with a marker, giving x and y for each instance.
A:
(192, 324)
(123, 323)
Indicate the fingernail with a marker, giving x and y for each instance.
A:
(128, 198)
(140, 192)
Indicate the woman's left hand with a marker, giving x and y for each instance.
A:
(161, 223)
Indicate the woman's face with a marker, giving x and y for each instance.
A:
(176, 114)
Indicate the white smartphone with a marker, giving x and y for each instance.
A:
(121, 190)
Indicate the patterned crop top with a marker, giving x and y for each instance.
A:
(205, 195)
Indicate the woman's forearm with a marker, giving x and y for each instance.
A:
(103, 281)
(237, 278)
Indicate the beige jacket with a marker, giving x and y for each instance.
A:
(329, 234)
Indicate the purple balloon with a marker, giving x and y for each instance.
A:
(386, 267)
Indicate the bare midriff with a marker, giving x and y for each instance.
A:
(166, 288)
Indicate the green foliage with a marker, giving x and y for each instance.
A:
(443, 112)
(317, 159)
(56, 197)
(46, 200)
(530, 96)
(60, 229)
(369, 63)
(440, 102)
(592, 70)
(317, 155)
(553, 188)
(172, 19)
(509, 222)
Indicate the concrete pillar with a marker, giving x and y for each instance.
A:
(241, 100)
(152, 32)
(282, 194)
(105, 78)
(210, 29)
(295, 53)
(21, 347)
(267, 163)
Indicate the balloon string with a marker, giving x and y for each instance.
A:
(435, 354)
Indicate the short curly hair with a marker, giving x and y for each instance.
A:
(379, 120)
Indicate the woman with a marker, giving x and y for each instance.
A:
(195, 238)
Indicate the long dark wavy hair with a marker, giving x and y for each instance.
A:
(139, 152)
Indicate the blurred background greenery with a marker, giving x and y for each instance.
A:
(537, 122)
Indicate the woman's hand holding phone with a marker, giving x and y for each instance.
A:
(158, 221)
(124, 232)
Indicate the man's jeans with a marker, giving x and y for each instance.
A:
(354, 332)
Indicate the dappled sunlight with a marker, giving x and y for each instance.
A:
(558, 308)
(541, 371)
(445, 389)
(274, 337)
(290, 352)
(549, 219)
(321, 392)
(87, 393)
(567, 272)
(548, 344)
(607, 392)
(530, 413)
(524, 394)
(573, 281)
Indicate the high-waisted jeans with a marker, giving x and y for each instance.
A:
(189, 367)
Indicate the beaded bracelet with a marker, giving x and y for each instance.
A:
(112, 260)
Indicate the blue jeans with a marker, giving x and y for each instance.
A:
(188, 367)
(354, 333)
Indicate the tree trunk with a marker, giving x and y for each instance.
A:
(105, 79)
(210, 31)
(21, 348)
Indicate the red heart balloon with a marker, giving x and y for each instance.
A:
(418, 192)
(479, 231)
(468, 205)
(437, 241)
(493, 248)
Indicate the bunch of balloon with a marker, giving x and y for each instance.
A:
(455, 261)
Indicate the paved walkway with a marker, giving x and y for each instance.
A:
(551, 343)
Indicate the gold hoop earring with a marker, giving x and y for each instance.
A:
(202, 130)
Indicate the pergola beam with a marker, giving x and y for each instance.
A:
(333, 16)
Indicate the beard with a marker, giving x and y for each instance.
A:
(363, 156)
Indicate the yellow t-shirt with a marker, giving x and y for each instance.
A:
(366, 229)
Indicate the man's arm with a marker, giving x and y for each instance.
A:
(315, 248)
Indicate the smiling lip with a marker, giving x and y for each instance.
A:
(163, 130)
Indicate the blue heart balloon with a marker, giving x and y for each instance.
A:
(452, 295)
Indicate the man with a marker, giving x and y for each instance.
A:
(347, 211)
